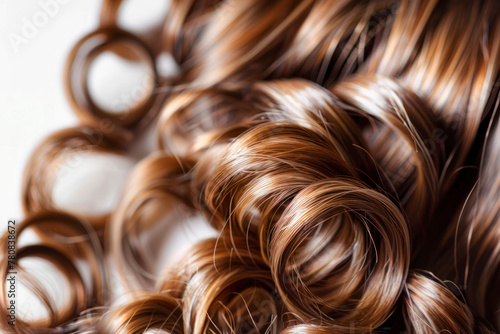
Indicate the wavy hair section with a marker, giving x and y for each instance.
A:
(346, 153)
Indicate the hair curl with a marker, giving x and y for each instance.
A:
(346, 152)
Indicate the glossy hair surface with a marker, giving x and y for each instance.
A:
(347, 154)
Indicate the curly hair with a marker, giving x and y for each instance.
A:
(346, 152)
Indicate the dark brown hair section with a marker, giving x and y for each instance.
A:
(346, 152)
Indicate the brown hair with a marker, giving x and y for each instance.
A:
(346, 152)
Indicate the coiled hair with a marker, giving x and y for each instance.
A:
(346, 152)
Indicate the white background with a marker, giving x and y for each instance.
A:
(32, 100)
(35, 39)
